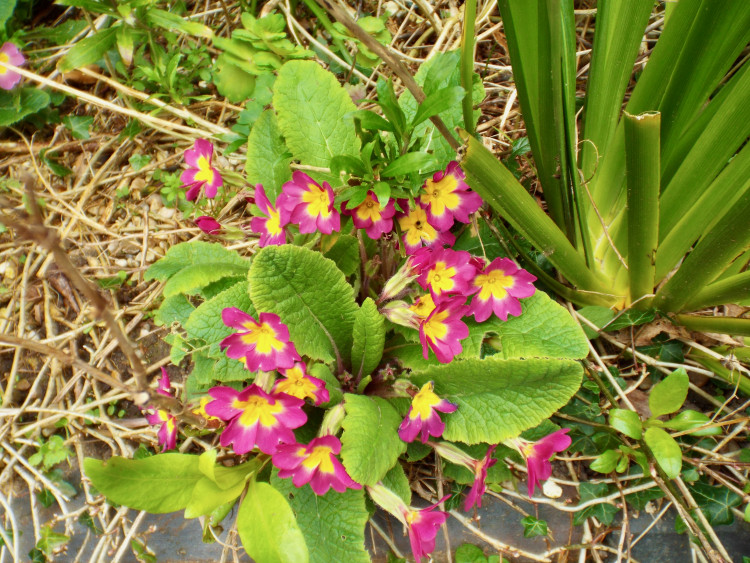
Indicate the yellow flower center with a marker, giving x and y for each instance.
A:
(369, 209)
(317, 200)
(435, 328)
(264, 338)
(424, 306)
(441, 194)
(416, 226)
(320, 457)
(440, 278)
(423, 402)
(274, 222)
(493, 284)
(4, 58)
(205, 172)
(296, 384)
(258, 409)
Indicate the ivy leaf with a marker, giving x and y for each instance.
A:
(268, 157)
(668, 395)
(311, 105)
(369, 338)
(603, 512)
(666, 451)
(268, 528)
(716, 503)
(600, 316)
(639, 499)
(190, 267)
(158, 484)
(19, 103)
(498, 399)
(533, 527)
(370, 442)
(470, 553)
(205, 322)
(78, 125)
(545, 329)
(333, 524)
(631, 317)
(311, 296)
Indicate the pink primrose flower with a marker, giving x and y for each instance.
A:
(200, 173)
(298, 383)
(310, 206)
(448, 272)
(443, 330)
(316, 463)
(499, 287)
(256, 418)
(208, 225)
(478, 488)
(167, 433)
(447, 197)
(418, 231)
(263, 345)
(538, 454)
(371, 216)
(423, 417)
(423, 528)
(9, 53)
(270, 227)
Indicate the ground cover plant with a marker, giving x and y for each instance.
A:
(354, 319)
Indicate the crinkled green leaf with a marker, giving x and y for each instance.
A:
(88, 50)
(333, 524)
(665, 449)
(370, 442)
(206, 370)
(187, 254)
(545, 329)
(498, 399)
(268, 157)
(345, 252)
(268, 528)
(173, 309)
(158, 484)
(311, 296)
(311, 105)
(668, 395)
(369, 338)
(205, 322)
(192, 279)
(333, 385)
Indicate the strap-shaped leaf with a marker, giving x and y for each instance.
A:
(267, 156)
(369, 338)
(311, 296)
(498, 399)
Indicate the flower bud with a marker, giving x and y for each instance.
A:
(399, 312)
(208, 225)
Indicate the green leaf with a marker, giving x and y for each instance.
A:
(666, 451)
(208, 496)
(20, 102)
(311, 105)
(397, 481)
(311, 296)
(627, 422)
(88, 50)
(205, 322)
(641, 498)
(345, 252)
(411, 162)
(233, 82)
(78, 125)
(631, 317)
(174, 22)
(716, 503)
(498, 399)
(533, 527)
(438, 102)
(268, 528)
(600, 316)
(604, 512)
(470, 553)
(694, 421)
(268, 158)
(158, 484)
(370, 442)
(333, 385)
(176, 308)
(371, 121)
(6, 11)
(668, 395)
(333, 524)
(545, 329)
(369, 338)
(190, 267)
(50, 541)
(606, 462)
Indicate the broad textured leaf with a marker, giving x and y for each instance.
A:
(88, 50)
(668, 395)
(173, 309)
(333, 524)
(158, 484)
(206, 370)
(193, 279)
(311, 105)
(311, 296)
(498, 399)
(268, 528)
(716, 503)
(369, 338)
(20, 102)
(345, 252)
(268, 157)
(370, 442)
(397, 481)
(194, 253)
(205, 322)
(666, 451)
(641, 498)
(545, 329)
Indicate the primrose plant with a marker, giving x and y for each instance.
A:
(371, 325)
